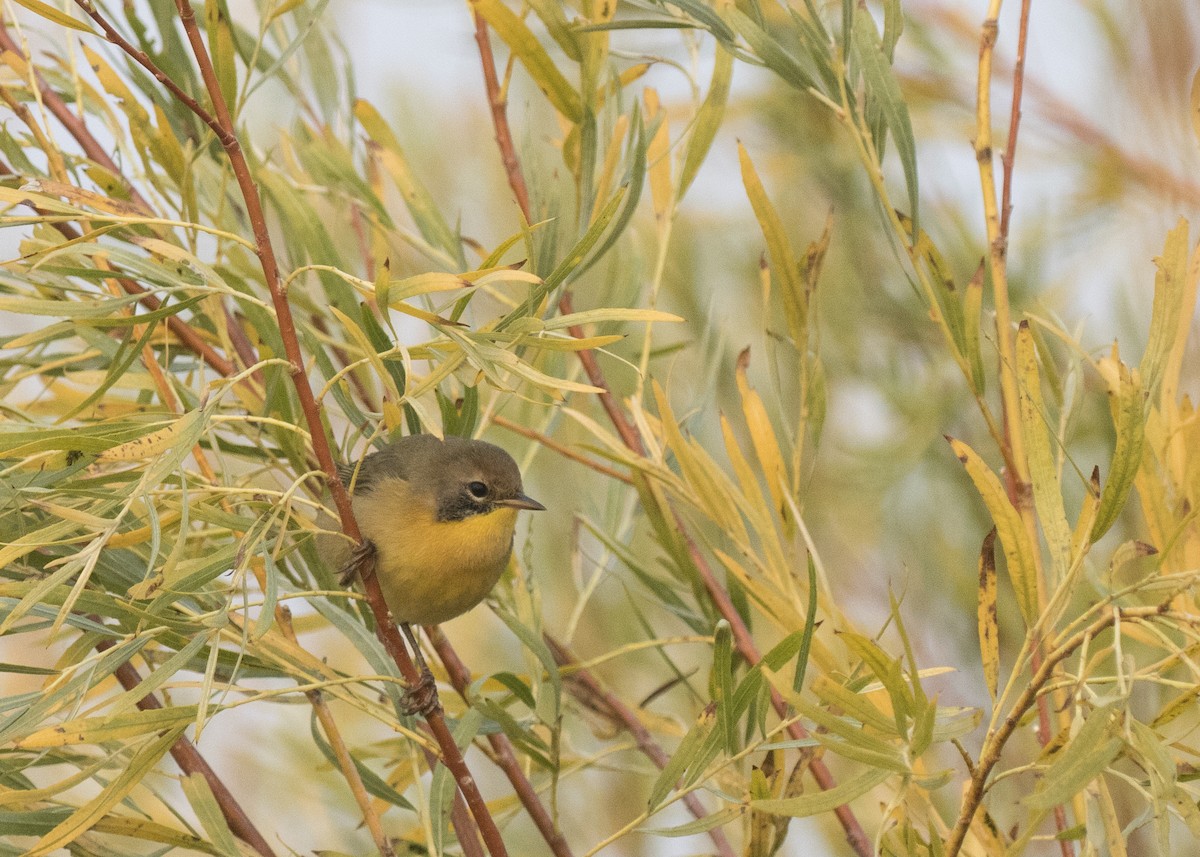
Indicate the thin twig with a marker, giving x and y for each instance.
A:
(190, 761)
(140, 57)
(341, 752)
(1014, 123)
(591, 693)
(562, 449)
(506, 757)
(993, 747)
(499, 107)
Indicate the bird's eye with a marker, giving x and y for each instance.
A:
(478, 490)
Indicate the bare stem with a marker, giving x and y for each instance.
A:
(341, 752)
(1014, 122)
(499, 107)
(562, 449)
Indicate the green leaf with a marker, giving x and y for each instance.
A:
(883, 92)
(810, 627)
(700, 825)
(1084, 758)
(708, 120)
(688, 751)
(1128, 404)
(84, 818)
(773, 55)
(1043, 472)
(723, 684)
(817, 802)
(199, 794)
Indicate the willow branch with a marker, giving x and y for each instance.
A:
(385, 627)
(506, 757)
(499, 107)
(190, 761)
(341, 752)
(1014, 123)
(993, 747)
(591, 693)
(630, 436)
(562, 449)
(97, 153)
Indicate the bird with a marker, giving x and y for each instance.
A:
(437, 518)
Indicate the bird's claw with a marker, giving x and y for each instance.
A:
(421, 698)
(362, 557)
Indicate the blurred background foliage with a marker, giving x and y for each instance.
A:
(727, 192)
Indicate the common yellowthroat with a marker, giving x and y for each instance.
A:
(439, 516)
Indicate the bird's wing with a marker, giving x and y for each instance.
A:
(391, 462)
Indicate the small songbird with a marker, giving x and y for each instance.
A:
(439, 516)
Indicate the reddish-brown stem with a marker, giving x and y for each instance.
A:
(1014, 123)
(190, 761)
(139, 56)
(506, 757)
(592, 694)
(630, 436)
(499, 108)
(385, 627)
(563, 450)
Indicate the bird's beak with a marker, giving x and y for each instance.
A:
(522, 502)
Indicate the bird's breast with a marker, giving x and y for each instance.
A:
(431, 571)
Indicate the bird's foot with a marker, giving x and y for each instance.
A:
(421, 698)
(362, 559)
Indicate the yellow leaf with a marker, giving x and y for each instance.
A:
(150, 445)
(1018, 553)
(762, 436)
(1127, 400)
(783, 257)
(1043, 473)
(55, 15)
(989, 627)
(525, 46)
(658, 156)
